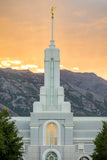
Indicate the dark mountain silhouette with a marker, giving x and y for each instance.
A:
(86, 92)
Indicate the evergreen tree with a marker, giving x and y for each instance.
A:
(100, 151)
(11, 146)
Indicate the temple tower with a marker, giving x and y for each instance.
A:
(52, 94)
(51, 128)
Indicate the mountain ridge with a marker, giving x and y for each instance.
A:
(86, 91)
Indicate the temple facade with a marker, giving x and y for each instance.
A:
(51, 132)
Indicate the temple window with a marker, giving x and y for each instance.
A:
(51, 134)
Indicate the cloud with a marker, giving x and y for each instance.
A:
(27, 66)
(80, 32)
(24, 67)
(15, 62)
(40, 70)
(15, 68)
(8, 63)
(75, 68)
(61, 65)
(5, 63)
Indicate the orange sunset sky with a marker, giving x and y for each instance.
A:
(80, 32)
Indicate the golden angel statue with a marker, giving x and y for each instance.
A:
(52, 12)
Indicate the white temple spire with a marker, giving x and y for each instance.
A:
(52, 94)
(52, 13)
(52, 28)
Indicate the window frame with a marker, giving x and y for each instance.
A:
(58, 131)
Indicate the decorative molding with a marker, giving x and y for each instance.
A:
(89, 119)
(21, 119)
(86, 130)
(24, 130)
(32, 125)
(69, 125)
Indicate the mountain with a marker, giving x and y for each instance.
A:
(86, 92)
(86, 81)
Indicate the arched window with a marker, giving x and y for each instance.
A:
(84, 158)
(51, 156)
(51, 134)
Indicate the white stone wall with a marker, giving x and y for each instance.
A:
(84, 131)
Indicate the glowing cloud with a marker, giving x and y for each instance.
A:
(24, 67)
(28, 66)
(15, 67)
(5, 63)
(82, 40)
(61, 66)
(14, 62)
(8, 63)
(40, 70)
(31, 66)
(75, 68)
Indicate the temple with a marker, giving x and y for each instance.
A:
(51, 132)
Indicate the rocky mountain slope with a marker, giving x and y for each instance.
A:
(86, 92)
